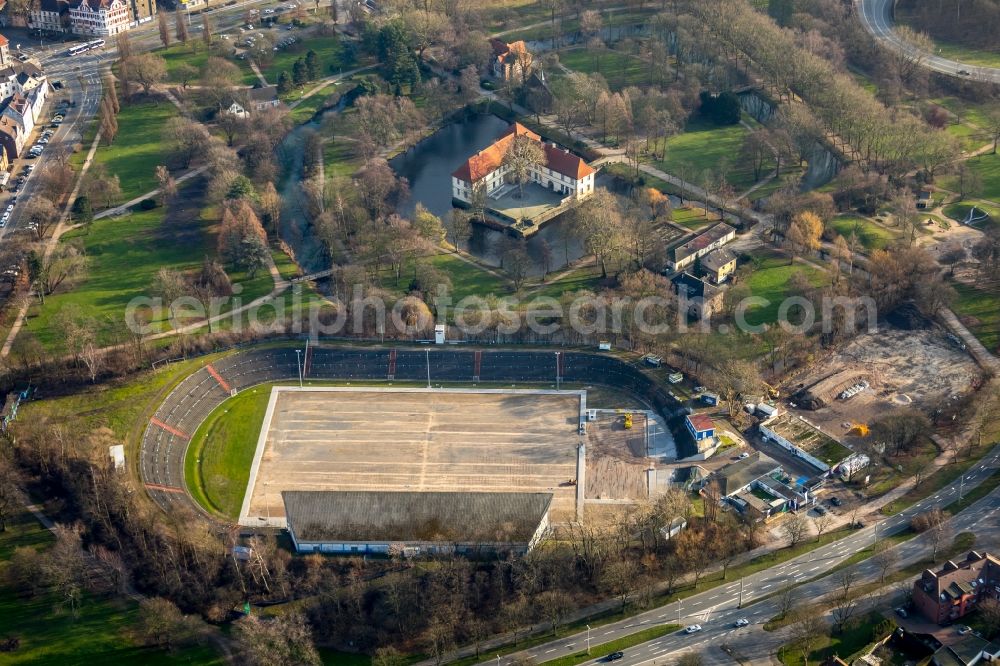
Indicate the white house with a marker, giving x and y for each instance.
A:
(712, 238)
(563, 172)
(100, 18)
(19, 110)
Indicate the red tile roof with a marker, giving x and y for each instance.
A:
(490, 159)
(3, 41)
(701, 422)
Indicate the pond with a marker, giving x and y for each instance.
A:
(428, 167)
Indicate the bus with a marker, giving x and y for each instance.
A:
(87, 46)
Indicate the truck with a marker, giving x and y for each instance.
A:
(675, 377)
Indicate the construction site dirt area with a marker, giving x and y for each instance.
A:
(617, 457)
(336, 438)
(922, 368)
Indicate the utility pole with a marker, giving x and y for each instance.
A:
(875, 540)
(678, 611)
(498, 660)
(298, 364)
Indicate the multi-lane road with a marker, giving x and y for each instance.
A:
(717, 609)
(876, 16)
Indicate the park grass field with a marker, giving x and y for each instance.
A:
(139, 146)
(217, 465)
(467, 278)
(124, 255)
(51, 634)
(771, 280)
(705, 148)
(328, 49)
(979, 309)
(692, 218)
(871, 236)
(195, 54)
(619, 69)
(586, 277)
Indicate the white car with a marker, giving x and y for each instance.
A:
(742, 622)
(693, 629)
(744, 455)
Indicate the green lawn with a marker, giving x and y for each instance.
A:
(771, 281)
(467, 279)
(703, 148)
(619, 69)
(328, 49)
(853, 639)
(304, 111)
(49, 634)
(988, 168)
(138, 148)
(968, 54)
(124, 255)
(577, 279)
(195, 54)
(959, 212)
(692, 218)
(339, 158)
(979, 309)
(871, 236)
(217, 466)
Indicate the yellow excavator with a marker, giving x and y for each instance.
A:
(772, 392)
(628, 420)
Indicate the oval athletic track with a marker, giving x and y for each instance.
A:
(169, 431)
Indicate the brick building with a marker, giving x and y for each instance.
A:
(955, 590)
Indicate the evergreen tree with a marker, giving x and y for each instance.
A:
(299, 72)
(284, 82)
(312, 65)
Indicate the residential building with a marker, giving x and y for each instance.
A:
(718, 265)
(261, 99)
(956, 589)
(712, 238)
(100, 18)
(416, 523)
(510, 60)
(563, 172)
(50, 16)
(12, 137)
(968, 650)
(803, 439)
(696, 297)
(20, 111)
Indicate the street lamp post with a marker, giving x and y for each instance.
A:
(740, 603)
(498, 660)
(678, 611)
(298, 364)
(557, 370)
(961, 487)
(588, 639)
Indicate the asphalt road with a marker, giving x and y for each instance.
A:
(717, 610)
(876, 17)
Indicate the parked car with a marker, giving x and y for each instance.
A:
(743, 456)
(964, 629)
(820, 509)
(742, 622)
(835, 501)
(901, 612)
(693, 629)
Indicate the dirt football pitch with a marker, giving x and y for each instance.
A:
(415, 440)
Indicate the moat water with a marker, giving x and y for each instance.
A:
(428, 167)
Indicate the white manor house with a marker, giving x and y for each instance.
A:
(563, 172)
